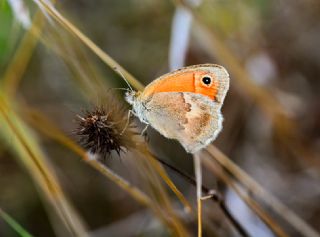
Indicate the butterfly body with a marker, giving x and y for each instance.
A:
(185, 104)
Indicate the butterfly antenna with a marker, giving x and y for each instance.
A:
(121, 74)
(122, 89)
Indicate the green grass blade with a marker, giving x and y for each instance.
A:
(14, 225)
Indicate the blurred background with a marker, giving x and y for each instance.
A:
(272, 110)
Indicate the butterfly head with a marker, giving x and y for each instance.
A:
(131, 96)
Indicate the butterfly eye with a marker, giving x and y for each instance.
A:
(206, 80)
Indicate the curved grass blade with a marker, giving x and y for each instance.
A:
(248, 182)
(51, 10)
(65, 219)
(14, 224)
(162, 209)
(254, 206)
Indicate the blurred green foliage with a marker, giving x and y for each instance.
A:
(6, 21)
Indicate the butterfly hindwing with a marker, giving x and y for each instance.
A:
(191, 118)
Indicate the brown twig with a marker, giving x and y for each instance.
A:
(282, 210)
(254, 206)
(214, 196)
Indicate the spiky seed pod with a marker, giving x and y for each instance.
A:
(101, 131)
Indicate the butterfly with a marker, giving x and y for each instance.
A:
(184, 104)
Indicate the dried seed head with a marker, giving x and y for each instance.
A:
(100, 131)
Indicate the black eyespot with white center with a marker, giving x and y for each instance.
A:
(206, 80)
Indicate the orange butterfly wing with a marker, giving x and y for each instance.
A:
(188, 79)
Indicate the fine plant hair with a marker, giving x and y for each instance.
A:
(99, 130)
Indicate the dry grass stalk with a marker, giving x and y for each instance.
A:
(12, 82)
(212, 44)
(198, 174)
(99, 52)
(46, 127)
(256, 189)
(172, 185)
(19, 63)
(89, 43)
(33, 159)
(255, 207)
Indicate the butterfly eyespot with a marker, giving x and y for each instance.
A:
(206, 80)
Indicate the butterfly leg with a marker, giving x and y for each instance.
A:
(212, 194)
(203, 198)
(130, 112)
(144, 133)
